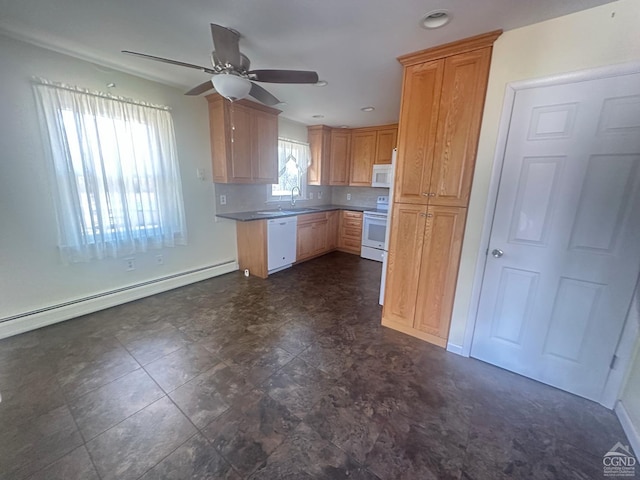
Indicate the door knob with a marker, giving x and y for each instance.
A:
(497, 253)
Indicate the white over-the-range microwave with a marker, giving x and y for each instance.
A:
(382, 176)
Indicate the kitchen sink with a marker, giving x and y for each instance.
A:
(289, 211)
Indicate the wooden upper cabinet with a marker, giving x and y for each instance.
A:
(244, 141)
(339, 163)
(241, 145)
(460, 114)
(386, 141)
(264, 147)
(363, 151)
(417, 131)
(319, 137)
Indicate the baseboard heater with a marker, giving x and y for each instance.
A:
(26, 321)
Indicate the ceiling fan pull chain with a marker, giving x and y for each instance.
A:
(232, 119)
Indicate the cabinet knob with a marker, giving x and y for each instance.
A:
(432, 194)
(425, 194)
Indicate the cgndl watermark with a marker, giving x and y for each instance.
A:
(619, 462)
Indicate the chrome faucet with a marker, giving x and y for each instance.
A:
(293, 200)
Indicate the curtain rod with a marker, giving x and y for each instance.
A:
(108, 96)
(306, 144)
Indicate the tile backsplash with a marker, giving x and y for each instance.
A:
(360, 196)
(246, 198)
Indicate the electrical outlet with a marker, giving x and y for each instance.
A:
(348, 197)
(130, 264)
(223, 199)
(310, 195)
(320, 195)
(159, 260)
(200, 173)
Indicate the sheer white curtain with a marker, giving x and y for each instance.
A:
(116, 178)
(293, 160)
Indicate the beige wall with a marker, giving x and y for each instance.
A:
(592, 38)
(31, 274)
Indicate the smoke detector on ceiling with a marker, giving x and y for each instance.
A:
(435, 19)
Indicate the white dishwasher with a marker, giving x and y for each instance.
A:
(281, 243)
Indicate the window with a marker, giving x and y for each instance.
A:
(117, 183)
(293, 160)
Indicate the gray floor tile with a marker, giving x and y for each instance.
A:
(108, 405)
(27, 448)
(196, 459)
(304, 454)
(179, 367)
(73, 466)
(201, 399)
(132, 447)
(247, 434)
(148, 343)
(81, 377)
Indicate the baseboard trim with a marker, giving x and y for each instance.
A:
(457, 349)
(58, 313)
(633, 434)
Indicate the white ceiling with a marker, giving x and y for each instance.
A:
(352, 44)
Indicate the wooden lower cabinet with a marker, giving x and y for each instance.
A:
(350, 237)
(252, 247)
(333, 229)
(424, 254)
(312, 237)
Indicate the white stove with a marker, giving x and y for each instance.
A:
(374, 228)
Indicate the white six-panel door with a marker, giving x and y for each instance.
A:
(565, 235)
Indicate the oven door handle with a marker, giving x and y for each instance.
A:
(377, 216)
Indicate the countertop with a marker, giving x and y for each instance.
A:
(268, 214)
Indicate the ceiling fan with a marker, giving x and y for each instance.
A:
(231, 75)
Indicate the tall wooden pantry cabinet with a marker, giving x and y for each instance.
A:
(442, 101)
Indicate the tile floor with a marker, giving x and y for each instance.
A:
(286, 378)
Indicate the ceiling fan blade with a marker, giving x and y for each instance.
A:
(172, 62)
(283, 76)
(263, 95)
(203, 87)
(225, 42)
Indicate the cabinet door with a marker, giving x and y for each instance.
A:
(461, 104)
(320, 232)
(304, 241)
(240, 119)
(332, 229)
(403, 265)
(219, 137)
(264, 155)
(385, 143)
(439, 271)
(319, 138)
(417, 131)
(339, 158)
(363, 152)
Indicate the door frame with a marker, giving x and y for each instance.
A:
(631, 332)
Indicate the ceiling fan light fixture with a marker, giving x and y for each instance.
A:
(231, 87)
(435, 19)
